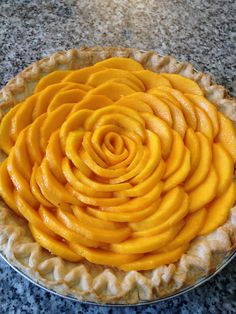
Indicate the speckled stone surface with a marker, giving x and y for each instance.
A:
(200, 31)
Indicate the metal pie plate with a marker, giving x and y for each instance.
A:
(199, 282)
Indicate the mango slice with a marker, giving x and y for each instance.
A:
(22, 117)
(115, 109)
(100, 186)
(152, 260)
(123, 121)
(204, 192)
(131, 161)
(204, 124)
(183, 84)
(66, 97)
(31, 214)
(154, 147)
(180, 175)
(168, 206)
(74, 122)
(112, 158)
(138, 203)
(227, 135)
(93, 233)
(21, 184)
(54, 157)
(186, 106)
(51, 78)
(135, 104)
(7, 187)
(161, 129)
(127, 82)
(179, 123)
(121, 63)
(83, 87)
(218, 211)
(51, 189)
(157, 106)
(54, 246)
(21, 155)
(202, 169)
(101, 257)
(33, 134)
(112, 90)
(86, 144)
(193, 144)
(84, 217)
(36, 190)
(53, 123)
(81, 76)
(92, 102)
(165, 95)
(224, 166)
(45, 97)
(176, 156)
(7, 142)
(79, 186)
(194, 223)
(106, 202)
(100, 171)
(208, 107)
(151, 79)
(73, 145)
(137, 164)
(147, 244)
(52, 223)
(145, 185)
(181, 212)
(97, 142)
(116, 75)
(124, 216)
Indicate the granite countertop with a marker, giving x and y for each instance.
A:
(201, 31)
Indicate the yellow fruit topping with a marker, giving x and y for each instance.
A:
(118, 165)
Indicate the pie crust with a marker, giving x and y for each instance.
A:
(84, 280)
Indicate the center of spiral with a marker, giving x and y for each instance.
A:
(114, 142)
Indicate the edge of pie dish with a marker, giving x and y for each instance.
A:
(103, 284)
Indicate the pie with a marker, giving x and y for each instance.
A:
(117, 174)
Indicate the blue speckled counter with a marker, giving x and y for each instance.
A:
(197, 30)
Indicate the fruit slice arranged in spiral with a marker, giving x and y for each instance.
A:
(53, 245)
(118, 165)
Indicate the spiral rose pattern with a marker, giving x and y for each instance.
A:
(117, 164)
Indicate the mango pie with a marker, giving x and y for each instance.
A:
(117, 178)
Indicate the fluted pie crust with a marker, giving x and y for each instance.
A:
(103, 284)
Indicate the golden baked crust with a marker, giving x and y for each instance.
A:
(84, 280)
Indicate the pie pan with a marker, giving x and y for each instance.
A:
(198, 283)
(207, 256)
